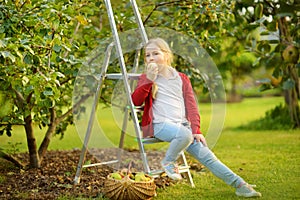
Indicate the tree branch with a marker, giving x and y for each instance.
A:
(51, 129)
(62, 117)
(71, 40)
(15, 124)
(160, 5)
(65, 81)
(20, 100)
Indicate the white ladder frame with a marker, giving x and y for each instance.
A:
(132, 109)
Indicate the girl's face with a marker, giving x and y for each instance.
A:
(153, 54)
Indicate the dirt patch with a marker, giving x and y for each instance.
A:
(55, 178)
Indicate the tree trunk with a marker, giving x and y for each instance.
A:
(31, 143)
(234, 96)
(51, 129)
(291, 95)
(46, 141)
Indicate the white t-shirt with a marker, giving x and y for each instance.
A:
(169, 103)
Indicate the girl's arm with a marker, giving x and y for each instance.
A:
(142, 90)
(191, 106)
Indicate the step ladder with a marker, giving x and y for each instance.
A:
(130, 109)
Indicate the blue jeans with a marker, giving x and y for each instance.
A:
(180, 138)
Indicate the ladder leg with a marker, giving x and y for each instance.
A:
(126, 83)
(87, 136)
(188, 172)
(139, 21)
(121, 143)
(92, 115)
(124, 126)
(125, 119)
(145, 40)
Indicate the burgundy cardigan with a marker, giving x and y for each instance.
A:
(143, 95)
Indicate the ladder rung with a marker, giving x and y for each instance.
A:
(151, 140)
(137, 108)
(102, 163)
(157, 173)
(183, 168)
(132, 76)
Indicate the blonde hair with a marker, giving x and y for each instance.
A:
(164, 47)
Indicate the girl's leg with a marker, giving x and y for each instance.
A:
(179, 136)
(205, 156)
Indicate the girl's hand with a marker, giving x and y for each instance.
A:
(151, 71)
(200, 138)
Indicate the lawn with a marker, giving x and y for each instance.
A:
(269, 159)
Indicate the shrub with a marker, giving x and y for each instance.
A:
(277, 118)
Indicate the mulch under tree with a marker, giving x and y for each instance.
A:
(55, 178)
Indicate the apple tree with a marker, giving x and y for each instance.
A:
(278, 48)
(41, 47)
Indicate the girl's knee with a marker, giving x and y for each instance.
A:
(187, 138)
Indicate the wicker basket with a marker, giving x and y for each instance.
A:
(128, 189)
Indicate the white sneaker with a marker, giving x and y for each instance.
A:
(172, 171)
(247, 191)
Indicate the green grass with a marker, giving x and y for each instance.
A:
(249, 109)
(269, 159)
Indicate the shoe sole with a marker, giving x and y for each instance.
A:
(175, 178)
(248, 195)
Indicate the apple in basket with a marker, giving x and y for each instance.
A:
(138, 177)
(116, 176)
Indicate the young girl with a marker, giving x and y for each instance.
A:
(171, 115)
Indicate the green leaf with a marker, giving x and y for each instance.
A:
(7, 54)
(29, 89)
(48, 93)
(97, 3)
(55, 24)
(279, 47)
(2, 44)
(28, 59)
(24, 41)
(8, 132)
(48, 103)
(29, 49)
(67, 48)
(57, 48)
(36, 60)
(18, 53)
(264, 47)
(59, 74)
(256, 62)
(4, 85)
(2, 29)
(44, 31)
